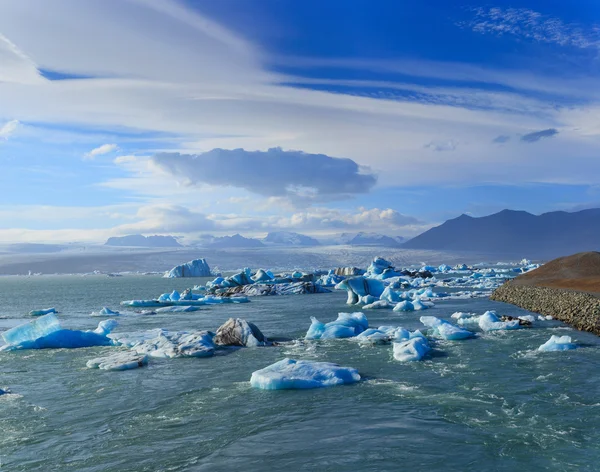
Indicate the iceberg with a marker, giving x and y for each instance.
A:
(195, 268)
(238, 332)
(118, 361)
(347, 325)
(105, 312)
(358, 287)
(489, 321)
(259, 290)
(404, 306)
(298, 374)
(45, 311)
(445, 330)
(261, 276)
(379, 304)
(411, 350)
(49, 335)
(383, 335)
(175, 344)
(38, 328)
(558, 343)
(177, 309)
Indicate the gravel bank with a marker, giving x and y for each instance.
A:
(578, 309)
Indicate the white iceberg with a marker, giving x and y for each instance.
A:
(378, 305)
(293, 374)
(558, 343)
(105, 312)
(176, 344)
(118, 361)
(411, 350)
(490, 321)
(404, 306)
(195, 268)
(444, 329)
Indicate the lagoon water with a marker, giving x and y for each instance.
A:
(489, 403)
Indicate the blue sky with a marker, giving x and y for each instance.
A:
(195, 116)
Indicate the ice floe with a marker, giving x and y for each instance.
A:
(444, 329)
(411, 350)
(118, 361)
(300, 374)
(490, 321)
(558, 343)
(45, 311)
(346, 325)
(105, 312)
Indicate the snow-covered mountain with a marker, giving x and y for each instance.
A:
(287, 238)
(368, 239)
(138, 240)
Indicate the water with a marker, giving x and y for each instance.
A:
(491, 403)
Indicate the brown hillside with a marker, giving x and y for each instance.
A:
(579, 272)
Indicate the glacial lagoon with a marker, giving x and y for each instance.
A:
(490, 402)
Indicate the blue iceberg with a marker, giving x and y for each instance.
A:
(490, 321)
(346, 325)
(195, 268)
(413, 349)
(558, 343)
(45, 311)
(46, 333)
(444, 329)
(293, 374)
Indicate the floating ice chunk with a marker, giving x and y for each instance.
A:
(411, 350)
(105, 312)
(105, 327)
(315, 330)
(346, 325)
(489, 321)
(367, 299)
(379, 304)
(195, 268)
(418, 305)
(391, 295)
(528, 318)
(241, 278)
(558, 343)
(292, 374)
(118, 361)
(238, 332)
(444, 329)
(177, 309)
(45, 311)
(49, 335)
(177, 344)
(261, 276)
(383, 335)
(292, 288)
(444, 268)
(359, 287)
(461, 315)
(142, 303)
(404, 306)
(545, 318)
(33, 330)
(378, 266)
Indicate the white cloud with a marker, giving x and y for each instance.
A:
(8, 129)
(100, 151)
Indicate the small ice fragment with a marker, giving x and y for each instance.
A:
(118, 361)
(293, 374)
(558, 343)
(45, 311)
(412, 350)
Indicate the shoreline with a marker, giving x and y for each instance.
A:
(580, 310)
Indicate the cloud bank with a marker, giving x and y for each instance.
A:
(274, 173)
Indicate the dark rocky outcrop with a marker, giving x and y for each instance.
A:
(239, 332)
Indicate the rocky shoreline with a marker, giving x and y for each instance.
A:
(578, 309)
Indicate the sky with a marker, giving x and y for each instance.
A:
(192, 117)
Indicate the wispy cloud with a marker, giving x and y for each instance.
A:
(449, 145)
(8, 129)
(501, 139)
(529, 24)
(537, 135)
(100, 151)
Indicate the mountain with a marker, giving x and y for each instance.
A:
(368, 239)
(137, 240)
(287, 238)
(516, 233)
(235, 241)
